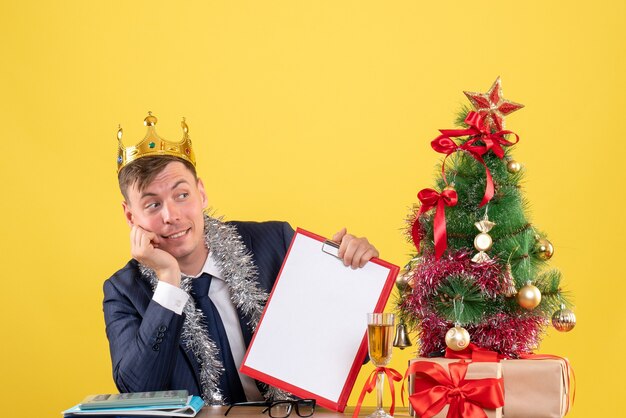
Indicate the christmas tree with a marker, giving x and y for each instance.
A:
(480, 268)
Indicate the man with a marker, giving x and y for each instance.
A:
(181, 313)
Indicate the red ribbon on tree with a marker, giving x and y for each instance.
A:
(370, 385)
(477, 129)
(432, 199)
(434, 388)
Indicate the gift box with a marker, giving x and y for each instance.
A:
(458, 384)
(536, 388)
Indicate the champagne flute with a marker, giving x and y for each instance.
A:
(380, 339)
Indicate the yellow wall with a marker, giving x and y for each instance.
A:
(319, 113)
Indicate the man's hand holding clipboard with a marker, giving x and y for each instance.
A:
(354, 251)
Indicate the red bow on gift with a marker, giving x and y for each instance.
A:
(433, 388)
(480, 354)
(477, 129)
(431, 198)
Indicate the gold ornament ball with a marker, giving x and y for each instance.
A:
(563, 320)
(544, 249)
(457, 338)
(402, 281)
(411, 282)
(529, 297)
(513, 166)
(483, 242)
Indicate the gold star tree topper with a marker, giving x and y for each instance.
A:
(492, 106)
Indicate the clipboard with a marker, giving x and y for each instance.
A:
(312, 337)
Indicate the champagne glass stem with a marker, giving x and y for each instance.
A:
(380, 382)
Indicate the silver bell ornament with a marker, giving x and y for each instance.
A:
(402, 339)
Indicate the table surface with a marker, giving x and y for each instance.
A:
(249, 411)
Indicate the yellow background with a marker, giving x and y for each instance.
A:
(319, 113)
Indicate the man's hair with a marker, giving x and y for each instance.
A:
(142, 171)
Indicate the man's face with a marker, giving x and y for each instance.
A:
(171, 206)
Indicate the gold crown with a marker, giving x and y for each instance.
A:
(154, 145)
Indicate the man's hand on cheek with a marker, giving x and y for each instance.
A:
(354, 251)
(144, 248)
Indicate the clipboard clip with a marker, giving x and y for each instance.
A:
(331, 247)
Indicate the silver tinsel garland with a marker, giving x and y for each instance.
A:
(235, 262)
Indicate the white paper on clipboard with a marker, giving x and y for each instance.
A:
(311, 338)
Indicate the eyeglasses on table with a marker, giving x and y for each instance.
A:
(282, 409)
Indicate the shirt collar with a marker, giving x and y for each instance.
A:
(210, 267)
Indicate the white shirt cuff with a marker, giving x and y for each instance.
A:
(170, 297)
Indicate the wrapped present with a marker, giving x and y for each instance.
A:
(537, 387)
(452, 388)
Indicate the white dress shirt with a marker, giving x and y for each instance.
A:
(174, 299)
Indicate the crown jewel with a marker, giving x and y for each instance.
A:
(153, 145)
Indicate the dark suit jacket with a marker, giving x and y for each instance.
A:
(144, 337)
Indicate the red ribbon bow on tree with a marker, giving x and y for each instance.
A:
(370, 384)
(430, 199)
(493, 141)
(433, 388)
(480, 132)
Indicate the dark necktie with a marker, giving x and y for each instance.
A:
(230, 385)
